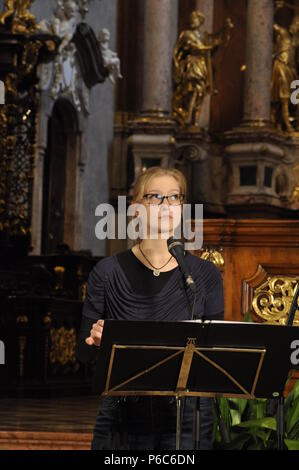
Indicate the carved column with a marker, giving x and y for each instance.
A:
(259, 47)
(161, 18)
(152, 140)
(256, 155)
(22, 48)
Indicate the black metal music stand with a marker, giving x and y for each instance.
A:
(210, 359)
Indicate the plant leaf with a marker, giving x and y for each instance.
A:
(236, 417)
(238, 441)
(225, 411)
(268, 423)
(292, 445)
(294, 416)
(294, 434)
(240, 403)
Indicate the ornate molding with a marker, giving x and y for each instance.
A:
(212, 254)
(18, 17)
(273, 299)
(22, 48)
(251, 232)
(63, 342)
(269, 293)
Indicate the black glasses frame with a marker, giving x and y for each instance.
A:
(181, 200)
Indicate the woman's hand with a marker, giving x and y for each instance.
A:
(95, 334)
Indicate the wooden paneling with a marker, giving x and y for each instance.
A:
(227, 105)
(246, 244)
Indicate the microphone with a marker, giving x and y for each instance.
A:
(176, 248)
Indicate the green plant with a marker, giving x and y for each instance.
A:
(251, 426)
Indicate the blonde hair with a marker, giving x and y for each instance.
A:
(152, 172)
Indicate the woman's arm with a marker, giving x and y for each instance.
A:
(86, 353)
(92, 322)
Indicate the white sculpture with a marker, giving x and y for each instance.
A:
(110, 59)
(67, 15)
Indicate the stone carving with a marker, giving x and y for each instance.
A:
(110, 59)
(63, 74)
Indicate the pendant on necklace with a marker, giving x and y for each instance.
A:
(156, 272)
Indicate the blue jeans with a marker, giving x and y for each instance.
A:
(149, 423)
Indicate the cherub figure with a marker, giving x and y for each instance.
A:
(64, 23)
(110, 59)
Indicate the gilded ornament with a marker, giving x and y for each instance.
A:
(213, 255)
(63, 343)
(273, 299)
(22, 21)
(284, 72)
(192, 69)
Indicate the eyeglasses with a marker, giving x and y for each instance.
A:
(158, 199)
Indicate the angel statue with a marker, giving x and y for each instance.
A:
(110, 59)
(284, 72)
(192, 68)
(66, 19)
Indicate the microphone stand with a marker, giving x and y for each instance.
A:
(196, 425)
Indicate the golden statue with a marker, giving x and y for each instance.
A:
(294, 198)
(284, 73)
(285, 62)
(23, 22)
(192, 68)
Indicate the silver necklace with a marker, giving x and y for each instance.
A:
(156, 271)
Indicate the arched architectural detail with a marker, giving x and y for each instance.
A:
(66, 83)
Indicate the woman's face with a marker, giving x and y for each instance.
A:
(161, 219)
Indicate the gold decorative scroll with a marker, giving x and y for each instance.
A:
(63, 343)
(272, 300)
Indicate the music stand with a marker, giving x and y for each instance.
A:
(199, 359)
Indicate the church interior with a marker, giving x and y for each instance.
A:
(95, 92)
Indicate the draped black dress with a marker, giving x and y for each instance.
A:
(121, 287)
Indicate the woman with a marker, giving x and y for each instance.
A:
(143, 283)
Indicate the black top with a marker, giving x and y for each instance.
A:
(139, 276)
(120, 287)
